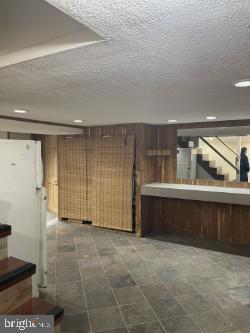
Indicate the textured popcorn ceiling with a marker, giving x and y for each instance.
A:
(24, 34)
(162, 59)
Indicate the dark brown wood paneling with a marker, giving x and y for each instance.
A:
(206, 220)
(161, 168)
(158, 168)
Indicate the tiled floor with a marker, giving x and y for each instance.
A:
(116, 283)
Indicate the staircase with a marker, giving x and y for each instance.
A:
(16, 286)
(210, 166)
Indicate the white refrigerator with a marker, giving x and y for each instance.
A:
(23, 204)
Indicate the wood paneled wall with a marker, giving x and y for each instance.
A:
(156, 168)
(159, 168)
(206, 220)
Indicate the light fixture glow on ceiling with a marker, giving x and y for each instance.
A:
(20, 111)
(242, 84)
(172, 121)
(211, 118)
(77, 121)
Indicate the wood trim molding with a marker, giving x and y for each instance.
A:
(219, 123)
(205, 124)
(25, 120)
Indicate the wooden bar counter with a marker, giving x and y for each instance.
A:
(209, 212)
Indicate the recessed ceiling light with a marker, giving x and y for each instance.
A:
(77, 121)
(20, 111)
(172, 121)
(210, 117)
(242, 84)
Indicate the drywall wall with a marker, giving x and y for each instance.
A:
(3, 135)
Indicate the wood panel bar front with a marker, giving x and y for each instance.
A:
(205, 220)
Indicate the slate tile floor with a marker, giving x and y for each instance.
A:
(113, 282)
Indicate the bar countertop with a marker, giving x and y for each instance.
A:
(229, 195)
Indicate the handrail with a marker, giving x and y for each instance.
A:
(228, 147)
(218, 153)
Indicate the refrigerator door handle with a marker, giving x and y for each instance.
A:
(39, 167)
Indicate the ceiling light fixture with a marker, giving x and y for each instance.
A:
(20, 111)
(77, 121)
(172, 121)
(242, 84)
(211, 118)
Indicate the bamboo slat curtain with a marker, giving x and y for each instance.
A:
(72, 178)
(111, 182)
(95, 180)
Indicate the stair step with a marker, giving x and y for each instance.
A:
(213, 171)
(219, 171)
(37, 306)
(5, 230)
(199, 151)
(13, 270)
(205, 157)
(212, 164)
(3, 248)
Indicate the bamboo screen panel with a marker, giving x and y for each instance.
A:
(73, 178)
(111, 181)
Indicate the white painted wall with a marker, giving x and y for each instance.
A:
(186, 163)
(3, 135)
